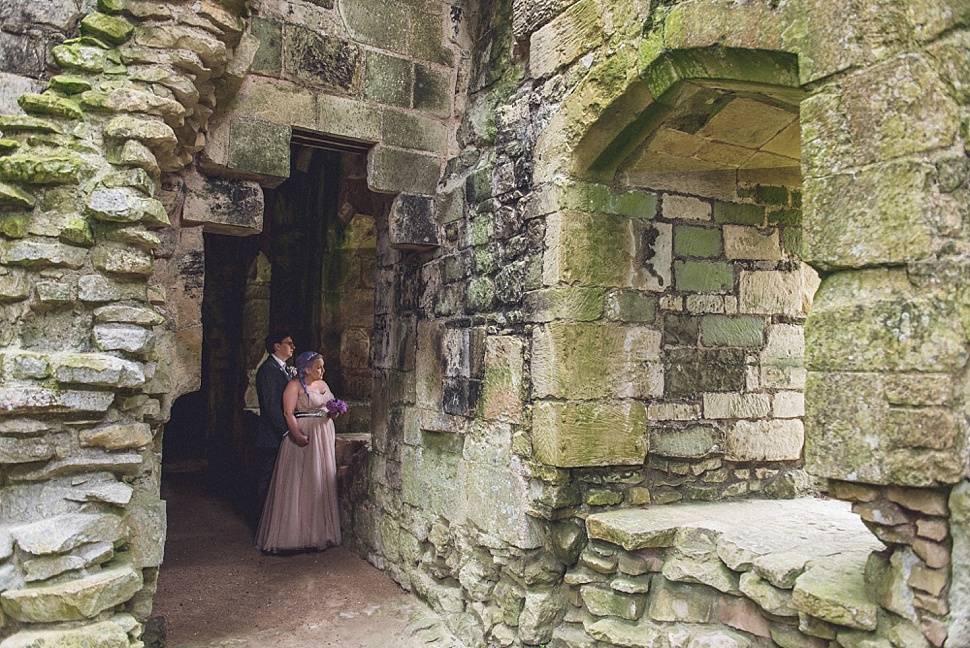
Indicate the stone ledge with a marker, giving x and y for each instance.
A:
(813, 526)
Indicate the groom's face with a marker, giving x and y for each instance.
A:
(284, 348)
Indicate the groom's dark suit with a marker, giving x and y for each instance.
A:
(271, 380)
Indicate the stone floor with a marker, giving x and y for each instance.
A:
(216, 590)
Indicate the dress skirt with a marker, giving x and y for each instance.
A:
(301, 510)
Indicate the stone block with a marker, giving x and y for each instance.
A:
(596, 198)
(406, 130)
(886, 216)
(117, 436)
(377, 23)
(877, 320)
(147, 524)
(431, 478)
(604, 601)
(736, 406)
(607, 250)
(788, 404)
(835, 592)
(123, 337)
(432, 91)
(269, 56)
(693, 241)
(584, 361)
(771, 599)
(743, 614)
(589, 434)
(666, 411)
(732, 331)
(38, 252)
(411, 222)
(63, 533)
(566, 303)
(73, 600)
(502, 388)
(929, 502)
(692, 371)
(739, 214)
(743, 242)
(104, 634)
(54, 293)
(25, 365)
(14, 286)
(631, 306)
(565, 38)
(258, 149)
(771, 440)
(268, 100)
(25, 450)
(542, 612)
(389, 80)
(122, 313)
(685, 208)
(98, 370)
(31, 400)
(395, 170)
(703, 276)
(496, 490)
(851, 436)
(772, 292)
(123, 261)
(694, 442)
(682, 603)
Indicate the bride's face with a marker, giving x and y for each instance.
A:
(314, 372)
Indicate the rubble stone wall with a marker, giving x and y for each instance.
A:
(92, 341)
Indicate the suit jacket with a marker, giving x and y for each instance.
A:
(270, 383)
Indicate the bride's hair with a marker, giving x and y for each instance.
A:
(305, 360)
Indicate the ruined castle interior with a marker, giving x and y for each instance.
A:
(652, 316)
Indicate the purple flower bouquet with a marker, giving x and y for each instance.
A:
(336, 406)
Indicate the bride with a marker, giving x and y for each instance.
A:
(301, 509)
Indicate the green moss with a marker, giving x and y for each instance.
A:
(14, 226)
(22, 123)
(29, 168)
(691, 241)
(785, 217)
(77, 231)
(112, 6)
(769, 195)
(69, 85)
(703, 276)
(110, 29)
(49, 104)
(739, 214)
(15, 197)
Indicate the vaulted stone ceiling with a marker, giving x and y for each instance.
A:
(719, 128)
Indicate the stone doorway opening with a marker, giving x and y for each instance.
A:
(310, 270)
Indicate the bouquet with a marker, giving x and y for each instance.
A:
(335, 406)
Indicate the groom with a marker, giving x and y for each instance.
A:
(271, 379)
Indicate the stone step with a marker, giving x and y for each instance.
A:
(795, 556)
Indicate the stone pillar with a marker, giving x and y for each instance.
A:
(886, 340)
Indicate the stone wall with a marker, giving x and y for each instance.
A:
(93, 344)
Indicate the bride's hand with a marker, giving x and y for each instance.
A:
(300, 440)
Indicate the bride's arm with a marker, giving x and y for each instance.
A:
(290, 395)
